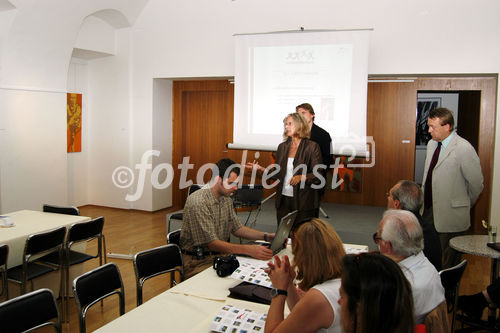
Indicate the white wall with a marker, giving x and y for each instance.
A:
(111, 129)
(162, 139)
(77, 163)
(36, 43)
(32, 153)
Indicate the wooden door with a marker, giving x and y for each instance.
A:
(202, 124)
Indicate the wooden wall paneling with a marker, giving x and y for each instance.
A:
(391, 116)
(487, 85)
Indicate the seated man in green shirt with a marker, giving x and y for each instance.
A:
(209, 220)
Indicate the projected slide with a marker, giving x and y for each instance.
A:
(286, 76)
(275, 72)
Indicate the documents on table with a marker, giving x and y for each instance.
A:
(252, 270)
(233, 319)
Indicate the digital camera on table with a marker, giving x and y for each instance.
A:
(225, 266)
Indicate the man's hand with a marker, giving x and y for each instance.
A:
(260, 252)
(270, 237)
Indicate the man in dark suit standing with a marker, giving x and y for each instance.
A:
(407, 195)
(452, 181)
(318, 135)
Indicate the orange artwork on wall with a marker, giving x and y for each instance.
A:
(74, 121)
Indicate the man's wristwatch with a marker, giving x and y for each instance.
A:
(265, 236)
(275, 292)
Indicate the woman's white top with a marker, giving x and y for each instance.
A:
(287, 188)
(330, 289)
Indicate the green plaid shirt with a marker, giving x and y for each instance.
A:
(207, 219)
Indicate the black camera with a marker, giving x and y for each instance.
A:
(225, 266)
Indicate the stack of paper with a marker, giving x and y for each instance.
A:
(252, 270)
(233, 319)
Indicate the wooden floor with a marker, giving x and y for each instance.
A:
(132, 231)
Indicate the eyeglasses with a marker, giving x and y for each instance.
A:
(376, 238)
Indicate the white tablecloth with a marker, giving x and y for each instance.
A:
(27, 222)
(190, 306)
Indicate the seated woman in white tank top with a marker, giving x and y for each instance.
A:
(317, 264)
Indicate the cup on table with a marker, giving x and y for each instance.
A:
(492, 234)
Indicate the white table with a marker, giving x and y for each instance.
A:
(191, 305)
(27, 222)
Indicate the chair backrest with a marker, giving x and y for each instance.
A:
(193, 188)
(95, 285)
(68, 210)
(450, 279)
(174, 237)
(85, 230)
(4, 253)
(47, 241)
(29, 312)
(154, 262)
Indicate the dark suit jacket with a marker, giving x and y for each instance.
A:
(432, 245)
(324, 141)
(309, 155)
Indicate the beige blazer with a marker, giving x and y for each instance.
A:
(457, 181)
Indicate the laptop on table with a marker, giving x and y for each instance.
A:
(281, 236)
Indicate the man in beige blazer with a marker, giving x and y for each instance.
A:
(453, 184)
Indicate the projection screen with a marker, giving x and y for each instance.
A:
(275, 72)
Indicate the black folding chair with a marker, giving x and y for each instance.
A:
(153, 262)
(30, 312)
(96, 285)
(68, 210)
(178, 215)
(78, 233)
(174, 237)
(450, 279)
(37, 245)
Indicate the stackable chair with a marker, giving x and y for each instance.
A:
(30, 312)
(450, 279)
(174, 237)
(48, 242)
(68, 210)
(78, 233)
(178, 215)
(4, 254)
(96, 285)
(157, 261)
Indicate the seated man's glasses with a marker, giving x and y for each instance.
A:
(376, 238)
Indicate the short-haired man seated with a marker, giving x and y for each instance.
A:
(400, 238)
(209, 220)
(407, 195)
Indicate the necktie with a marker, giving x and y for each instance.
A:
(428, 181)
